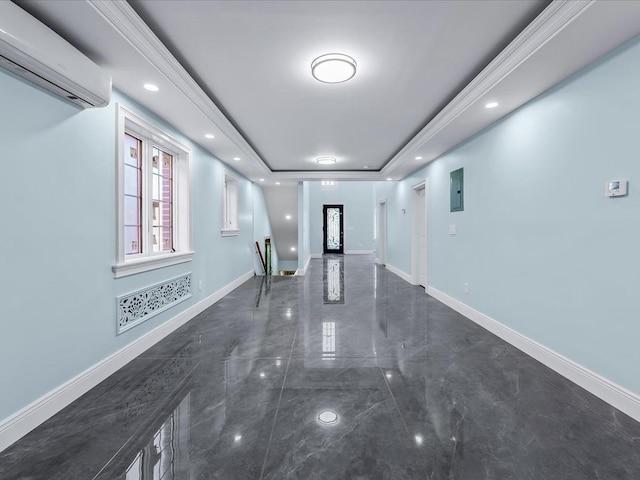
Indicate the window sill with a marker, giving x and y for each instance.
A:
(229, 233)
(150, 263)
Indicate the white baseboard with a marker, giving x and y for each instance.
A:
(316, 255)
(22, 422)
(405, 276)
(612, 393)
(301, 272)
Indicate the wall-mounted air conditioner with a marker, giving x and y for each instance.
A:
(30, 49)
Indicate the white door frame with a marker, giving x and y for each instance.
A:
(381, 251)
(415, 234)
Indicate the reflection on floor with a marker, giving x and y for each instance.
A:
(347, 373)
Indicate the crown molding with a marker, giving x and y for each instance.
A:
(558, 15)
(124, 20)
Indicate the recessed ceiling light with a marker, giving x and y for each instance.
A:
(151, 87)
(237, 159)
(208, 135)
(288, 217)
(366, 166)
(326, 160)
(491, 105)
(262, 179)
(388, 179)
(277, 183)
(418, 158)
(327, 417)
(293, 249)
(419, 439)
(333, 68)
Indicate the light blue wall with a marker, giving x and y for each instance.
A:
(287, 265)
(58, 240)
(358, 214)
(542, 248)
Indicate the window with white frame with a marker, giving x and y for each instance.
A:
(230, 205)
(153, 197)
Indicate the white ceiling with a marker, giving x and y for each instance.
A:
(254, 59)
(241, 70)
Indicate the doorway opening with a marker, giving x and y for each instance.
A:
(419, 235)
(382, 232)
(267, 255)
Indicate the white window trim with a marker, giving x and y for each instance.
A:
(126, 119)
(229, 227)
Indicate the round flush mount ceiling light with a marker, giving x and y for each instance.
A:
(333, 68)
(326, 160)
(151, 87)
(491, 105)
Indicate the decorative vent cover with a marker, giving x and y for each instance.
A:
(136, 307)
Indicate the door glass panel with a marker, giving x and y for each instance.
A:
(333, 228)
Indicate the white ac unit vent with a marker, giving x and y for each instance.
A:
(31, 50)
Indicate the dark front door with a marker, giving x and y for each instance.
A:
(333, 228)
(267, 253)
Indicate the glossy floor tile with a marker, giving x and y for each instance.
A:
(347, 373)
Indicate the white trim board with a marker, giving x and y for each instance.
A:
(22, 422)
(612, 393)
(395, 270)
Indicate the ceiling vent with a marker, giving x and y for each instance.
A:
(33, 51)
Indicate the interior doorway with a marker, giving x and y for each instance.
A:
(419, 235)
(333, 229)
(382, 232)
(267, 254)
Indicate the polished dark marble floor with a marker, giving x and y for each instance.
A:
(347, 373)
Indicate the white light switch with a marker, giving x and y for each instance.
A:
(453, 230)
